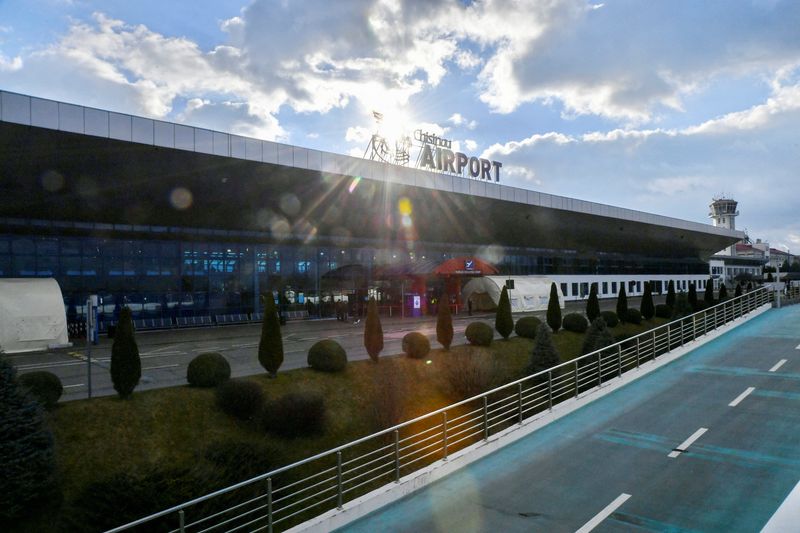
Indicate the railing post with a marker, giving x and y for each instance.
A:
(669, 337)
(637, 352)
(444, 433)
(396, 456)
(654, 345)
(182, 521)
(715, 316)
(577, 385)
(694, 327)
(519, 402)
(339, 488)
(550, 389)
(599, 369)
(682, 333)
(619, 358)
(269, 505)
(485, 418)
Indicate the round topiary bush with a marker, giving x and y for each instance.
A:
(328, 356)
(416, 345)
(298, 414)
(611, 318)
(633, 316)
(526, 327)
(44, 386)
(663, 311)
(208, 370)
(479, 334)
(576, 323)
(240, 399)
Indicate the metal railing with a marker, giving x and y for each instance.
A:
(289, 495)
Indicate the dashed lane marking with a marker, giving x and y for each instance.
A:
(778, 365)
(741, 397)
(605, 513)
(688, 442)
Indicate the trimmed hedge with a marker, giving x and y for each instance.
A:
(44, 386)
(240, 399)
(576, 323)
(634, 316)
(663, 311)
(327, 356)
(298, 414)
(479, 334)
(611, 318)
(208, 370)
(527, 326)
(416, 345)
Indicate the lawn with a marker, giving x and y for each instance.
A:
(173, 428)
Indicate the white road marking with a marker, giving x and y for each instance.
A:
(209, 349)
(605, 513)
(36, 366)
(797, 347)
(688, 442)
(741, 397)
(157, 367)
(787, 516)
(71, 386)
(163, 348)
(161, 354)
(777, 365)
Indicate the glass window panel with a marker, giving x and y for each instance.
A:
(5, 246)
(47, 248)
(47, 266)
(24, 265)
(23, 246)
(5, 265)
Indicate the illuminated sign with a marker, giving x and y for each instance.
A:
(469, 264)
(436, 154)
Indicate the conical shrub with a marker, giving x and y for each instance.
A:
(647, 308)
(503, 321)
(373, 331)
(544, 354)
(593, 304)
(622, 303)
(554, 309)
(670, 294)
(270, 346)
(126, 367)
(444, 322)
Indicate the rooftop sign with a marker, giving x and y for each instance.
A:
(433, 153)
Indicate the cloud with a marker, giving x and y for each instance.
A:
(457, 119)
(470, 145)
(752, 155)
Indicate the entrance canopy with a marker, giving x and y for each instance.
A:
(530, 293)
(32, 315)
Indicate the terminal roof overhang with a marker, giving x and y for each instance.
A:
(286, 192)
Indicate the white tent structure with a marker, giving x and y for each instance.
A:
(32, 315)
(530, 293)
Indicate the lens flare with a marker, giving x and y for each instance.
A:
(354, 184)
(180, 198)
(404, 206)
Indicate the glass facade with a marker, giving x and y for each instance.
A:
(168, 272)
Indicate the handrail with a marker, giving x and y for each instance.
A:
(648, 350)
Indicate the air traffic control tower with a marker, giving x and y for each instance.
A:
(724, 213)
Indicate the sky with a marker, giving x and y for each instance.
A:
(652, 105)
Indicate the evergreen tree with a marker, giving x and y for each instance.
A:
(503, 321)
(770, 278)
(544, 354)
(270, 346)
(597, 336)
(723, 292)
(444, 322)
(708, 297)
(373, 331)
(126, 367)
(682, 307)
(622, 303)
(647, 307)
(27, 458)
(554, 309)
(670, 294)
(692, 297)
(738, 291)
(592, 305)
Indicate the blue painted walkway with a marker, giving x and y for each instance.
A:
(732, 478)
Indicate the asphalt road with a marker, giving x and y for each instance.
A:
(710, 442)
(166, 354)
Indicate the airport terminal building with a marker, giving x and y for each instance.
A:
(174, 220)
